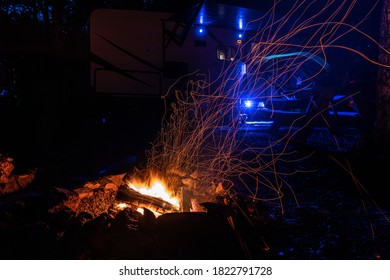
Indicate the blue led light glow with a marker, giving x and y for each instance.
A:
(248, 103)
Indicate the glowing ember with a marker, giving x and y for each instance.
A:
(121, 206)
(142, 211)
(156, 189)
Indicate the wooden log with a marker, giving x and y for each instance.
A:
(126, 194)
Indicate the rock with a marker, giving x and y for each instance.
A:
(148, 221)
(17, 182)
(6, 167)
(25, 179)
(116, 179)
(97, 233)
(91, 185)
(126, 240)
(195, 235)
(84, 192)
(11, 185)
(111, 187)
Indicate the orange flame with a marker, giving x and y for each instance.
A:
(121, 206)
(156, 189)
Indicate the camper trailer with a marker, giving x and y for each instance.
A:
(138, 53)
(150, 54)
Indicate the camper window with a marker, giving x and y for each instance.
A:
(226, 53)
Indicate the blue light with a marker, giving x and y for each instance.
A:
(243, 69)
(248, 103)
(240, 23)
(201, 30)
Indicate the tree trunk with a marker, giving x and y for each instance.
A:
(382, 131)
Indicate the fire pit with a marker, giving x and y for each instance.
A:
(113, 193)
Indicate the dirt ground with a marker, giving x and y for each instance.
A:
(336, 207)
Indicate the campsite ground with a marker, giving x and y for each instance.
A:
(335, 207)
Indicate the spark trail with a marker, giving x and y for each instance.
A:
(201, 145)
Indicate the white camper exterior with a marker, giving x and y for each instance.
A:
(138, 53)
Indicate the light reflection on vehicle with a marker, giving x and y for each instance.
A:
(288, 86)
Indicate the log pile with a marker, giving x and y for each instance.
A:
(126, 194)
(105, 195)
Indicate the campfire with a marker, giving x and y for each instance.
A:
(154, 196)
(205, 160)
(114, 193)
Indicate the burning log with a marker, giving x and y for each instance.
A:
(114, 193)
(126, 194)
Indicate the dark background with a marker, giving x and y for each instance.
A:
(54, 122)
(54, 117)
